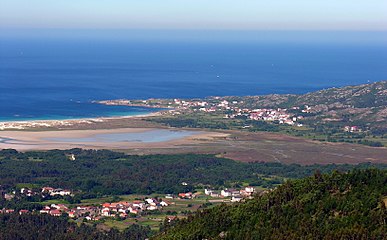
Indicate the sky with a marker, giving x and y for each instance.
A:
(363, 15)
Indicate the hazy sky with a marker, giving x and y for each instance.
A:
(196, 14)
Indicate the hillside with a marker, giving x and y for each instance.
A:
(337, 206)
(350, 104)
(362, 103)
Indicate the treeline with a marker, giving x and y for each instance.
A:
(103, 172)
(42, 227)
(216, 122)
(336, 206)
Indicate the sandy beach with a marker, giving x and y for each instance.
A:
(69, 123)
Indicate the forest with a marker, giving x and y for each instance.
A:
(324, 206)
(329, 205)
(103, 172)
(42, 227)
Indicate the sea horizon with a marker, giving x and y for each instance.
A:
(56, 74)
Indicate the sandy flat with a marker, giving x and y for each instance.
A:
(43, 140)
(236, 145)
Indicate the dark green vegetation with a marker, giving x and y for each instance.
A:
(97, 173)
(37, 227)
(342, 204)
(336, 206)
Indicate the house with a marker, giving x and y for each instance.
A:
(45, 210)
(60, 192)
(9, 210)
(60, 207)
(208, 191)
(133, 210)
(249, 189)
(106, 205)
(27, 192)
(23, 211)
(47, 190)
(72, 214)
(105, 212)
(187, 195)
(235, 192)
(55, 213)
(171, 218)
(226, 193)
(236, 198)
(151, 208)
(122, 210)
(229, 193)
(215, 194)
(169, 196)
(8, 197)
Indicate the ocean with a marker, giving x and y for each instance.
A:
(56, 74)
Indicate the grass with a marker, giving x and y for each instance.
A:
(120, 225)
(377, 139)
(55, 201)
(27, 185)
(96, 201)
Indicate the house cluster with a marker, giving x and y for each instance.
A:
(280, 115)
(188, 195)
(54, 210)
(307, 109)
(116, 209)
(123, 209)
(234, 194)
(56, 191)
(43, 192)
(352, 129)
(234, 110)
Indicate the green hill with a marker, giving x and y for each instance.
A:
(336, 206)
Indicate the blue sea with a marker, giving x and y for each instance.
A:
(56, 74)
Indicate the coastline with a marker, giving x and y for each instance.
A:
(42, 125)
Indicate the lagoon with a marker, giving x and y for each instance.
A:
(149, 136)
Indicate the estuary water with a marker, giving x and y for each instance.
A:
(150, 136)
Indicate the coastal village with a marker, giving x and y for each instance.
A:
(121, 209)
(219, 105)
(229, 108)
